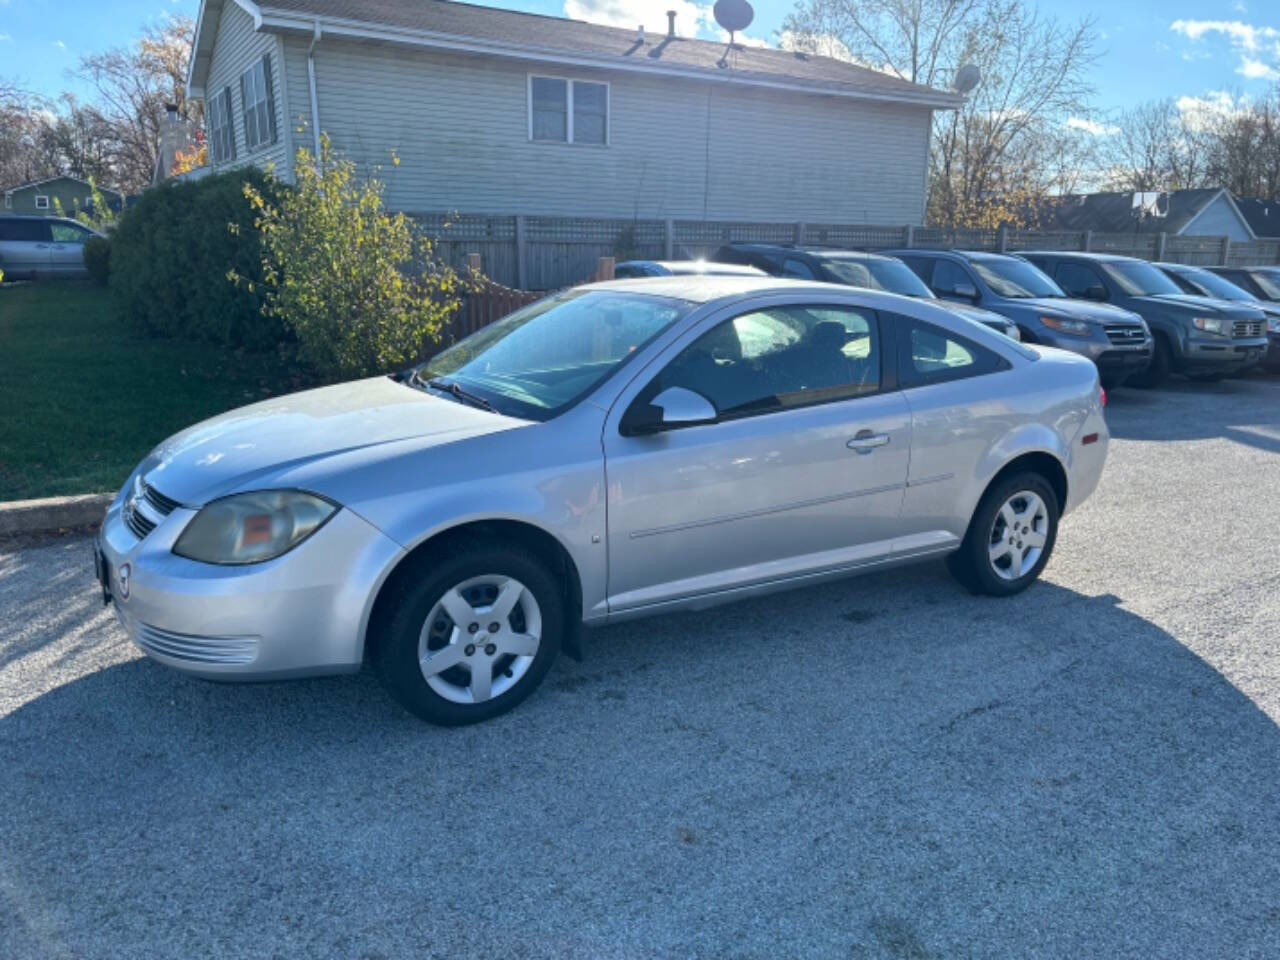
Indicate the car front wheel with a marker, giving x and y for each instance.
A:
(472, 637)
(1010, 537)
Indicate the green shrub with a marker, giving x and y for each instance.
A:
(97, 259)
(175, 252)
(362, 292)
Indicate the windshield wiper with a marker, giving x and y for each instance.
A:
(452, 388)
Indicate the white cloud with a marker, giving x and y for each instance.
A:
(5, 37)
(1241, 34)
(692, 19)
(1092, 127)
(1200, 112)
(1258, 47)
(823, 45)
(1256, 69)
(59, 44)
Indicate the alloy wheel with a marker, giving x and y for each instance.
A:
(1018, 535)
(480, 638)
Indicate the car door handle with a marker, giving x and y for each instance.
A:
(866, 440)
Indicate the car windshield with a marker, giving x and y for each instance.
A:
(893, 276)
(1139, 279)
(1215, 286)
(1269, 282)
(540, 360)
(1016, 279)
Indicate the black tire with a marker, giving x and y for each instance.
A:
(1158, 370)
(395, 647)
(972, 566)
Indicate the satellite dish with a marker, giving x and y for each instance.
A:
(733, 15)
(966, 78)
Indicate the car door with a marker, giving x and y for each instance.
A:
(801, 472)
(957, 416)
(67, 247)
(24, 246)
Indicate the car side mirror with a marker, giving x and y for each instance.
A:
(961, 291)
(1096, 292)
(673, 407)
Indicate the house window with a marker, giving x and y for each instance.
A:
(42, 202)
(259, 105)
(8, 201)
(222, 135)
(568, 111)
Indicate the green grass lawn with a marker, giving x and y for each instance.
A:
(83, 398)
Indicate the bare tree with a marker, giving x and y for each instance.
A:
(1006, 145)
(1153, 147)
(132, 86)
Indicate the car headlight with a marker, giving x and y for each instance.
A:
(253, 527)
(1273, 323)
(1208, 324)
(1072, 328)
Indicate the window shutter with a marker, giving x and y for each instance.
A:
(246, 104)
(228, 124)
(271, 98)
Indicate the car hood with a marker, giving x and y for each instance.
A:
(245, 448)
(1078, 309)
(1193, 305)
(981, 314)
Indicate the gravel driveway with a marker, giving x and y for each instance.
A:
(886, 767)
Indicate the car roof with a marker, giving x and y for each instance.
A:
(1177, 267)
(949, 252)
(703, 288)
(1078, 255)
(706, 266)
(831, 253)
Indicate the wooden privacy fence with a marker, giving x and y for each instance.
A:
(490, 301)
(549, 253)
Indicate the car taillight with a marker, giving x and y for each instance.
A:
(1102, 395)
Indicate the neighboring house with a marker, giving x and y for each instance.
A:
(1263, 216)
(495, 111)
(1202, 213)
(46, 196)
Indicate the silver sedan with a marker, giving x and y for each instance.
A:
(614, 451)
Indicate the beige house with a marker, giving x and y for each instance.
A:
(494, 111)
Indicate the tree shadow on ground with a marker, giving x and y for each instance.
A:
(880, 767)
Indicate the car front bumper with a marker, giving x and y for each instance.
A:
(301, 614)
(1108, 357)
(1222, 354)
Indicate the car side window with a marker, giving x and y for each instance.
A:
(921, 266)
(28, 231)
(68, 233)
(929, 354)
(792, 267)
(780, 358)
(1075, 279)
(947, 276)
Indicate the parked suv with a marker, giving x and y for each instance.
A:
(1116, 340)
(852, 268)
(1206, 283)
(1201, 337)
(33, 247)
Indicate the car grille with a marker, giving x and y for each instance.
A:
(145, 507)
(190, 647)
(1125, 334)
(1247, 328)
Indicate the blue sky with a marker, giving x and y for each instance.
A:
(1154, 48)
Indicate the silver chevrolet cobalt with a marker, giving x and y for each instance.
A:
(617, 450)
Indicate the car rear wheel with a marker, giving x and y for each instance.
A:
(471, 638)
(1010, 537)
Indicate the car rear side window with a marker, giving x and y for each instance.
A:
(24, 230)
(929, 354)
(68, 233)
(780, 358)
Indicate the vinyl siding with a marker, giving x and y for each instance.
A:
(235, 48)
(1218, 220)
(681, 149)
